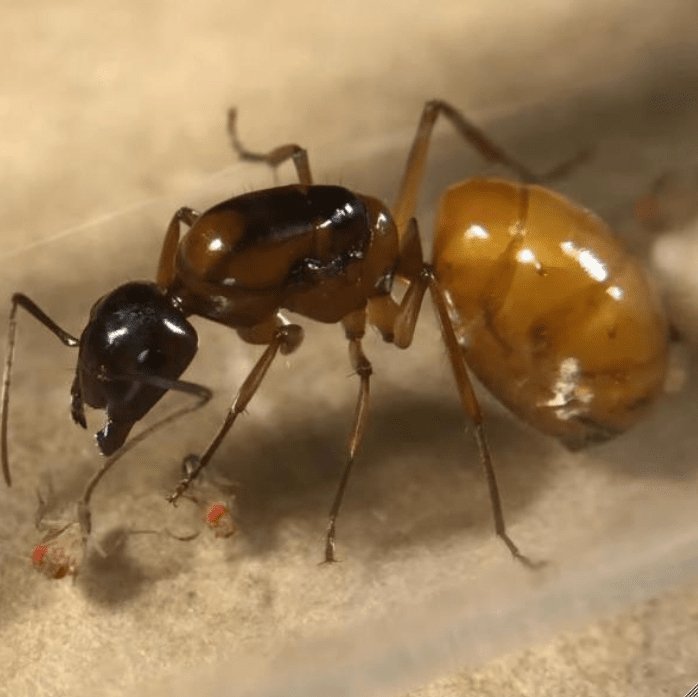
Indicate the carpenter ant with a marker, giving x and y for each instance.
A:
(533, 293)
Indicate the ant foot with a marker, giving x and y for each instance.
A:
(330, 558)
(180, 489)
(532, 564)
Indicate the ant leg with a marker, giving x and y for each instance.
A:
(472, 408)
(354, 325)
(21, 300)
(286, 338)
(397, 321)
(274, 158)
(166, 265)
(406, 201)
(404, 321)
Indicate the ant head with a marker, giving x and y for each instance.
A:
(135, 344)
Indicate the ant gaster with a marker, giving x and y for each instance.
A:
(533, 293)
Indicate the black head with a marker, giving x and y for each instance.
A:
(135, 342)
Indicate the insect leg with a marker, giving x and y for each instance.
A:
(405, 315)
(354, 326)
(286, 338)
(168, 253)
(406, 201)
(274, 158)
(472, 408)
(21, 300)
(397, 321)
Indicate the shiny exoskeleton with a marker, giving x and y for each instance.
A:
(556, 318)
(533, 293)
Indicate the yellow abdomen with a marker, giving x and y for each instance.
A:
(553, 314)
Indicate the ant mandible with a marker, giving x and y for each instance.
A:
(533, 293)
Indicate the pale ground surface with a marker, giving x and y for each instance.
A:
(104, 105)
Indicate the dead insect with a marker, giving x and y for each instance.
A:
(60, 552)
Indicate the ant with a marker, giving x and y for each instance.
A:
(533, 293)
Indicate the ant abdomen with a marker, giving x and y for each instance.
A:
(553, 315)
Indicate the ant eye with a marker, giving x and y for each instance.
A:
(152, 359)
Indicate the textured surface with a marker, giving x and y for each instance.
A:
(105, 105)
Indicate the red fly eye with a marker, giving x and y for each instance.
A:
(214, 514)
(220, 520)
(39, 554)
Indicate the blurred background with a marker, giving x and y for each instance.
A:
(112, 115)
